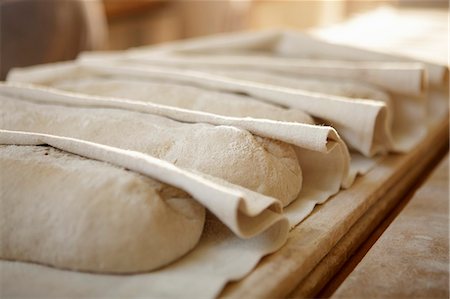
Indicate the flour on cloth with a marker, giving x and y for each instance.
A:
(311, 143)
(220, 151)
(368, 129)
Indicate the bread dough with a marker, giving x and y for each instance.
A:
(340, 87)
(182, 96)
(70, 212)
(260, 164)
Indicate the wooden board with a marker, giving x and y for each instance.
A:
(415, 245)
(310, 242)
(389, 205)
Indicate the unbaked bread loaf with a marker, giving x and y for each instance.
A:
(182, 96)
(260, 164)
(66, 211)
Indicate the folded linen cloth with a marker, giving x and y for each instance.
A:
(399, 40)
(407, 117)
(219, 151)
(367, 131)
(41, 280)
(334, 51)
(295, 53)
(402, 109)
(320, 154)
(67, 76)
(325, 158)
(294, 44)
(399, 77)
(243, 211)
(284, 52)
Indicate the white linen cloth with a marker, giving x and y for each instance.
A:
(246, 214)
(292, 55)
(212, 263)
(367, 130)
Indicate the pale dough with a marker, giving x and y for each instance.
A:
(325, 85)
(63, 210)
(340, 87)
(260, 164)
(182, 96)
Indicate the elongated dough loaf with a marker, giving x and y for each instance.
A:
(222, 103)
(326, 85)
(263, 165)
(70, 212)
(182, 96)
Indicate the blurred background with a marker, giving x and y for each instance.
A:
(42, 31)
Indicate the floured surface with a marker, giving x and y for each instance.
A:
(331, 264)
(414, 248)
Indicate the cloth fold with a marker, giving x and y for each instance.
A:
(323, 157)
(291, 44)
(221, 256)
(243, 211)
(288, 54)
(368, 131)
(400, 77)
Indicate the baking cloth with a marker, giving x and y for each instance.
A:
(245, 226)
(217, 260)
